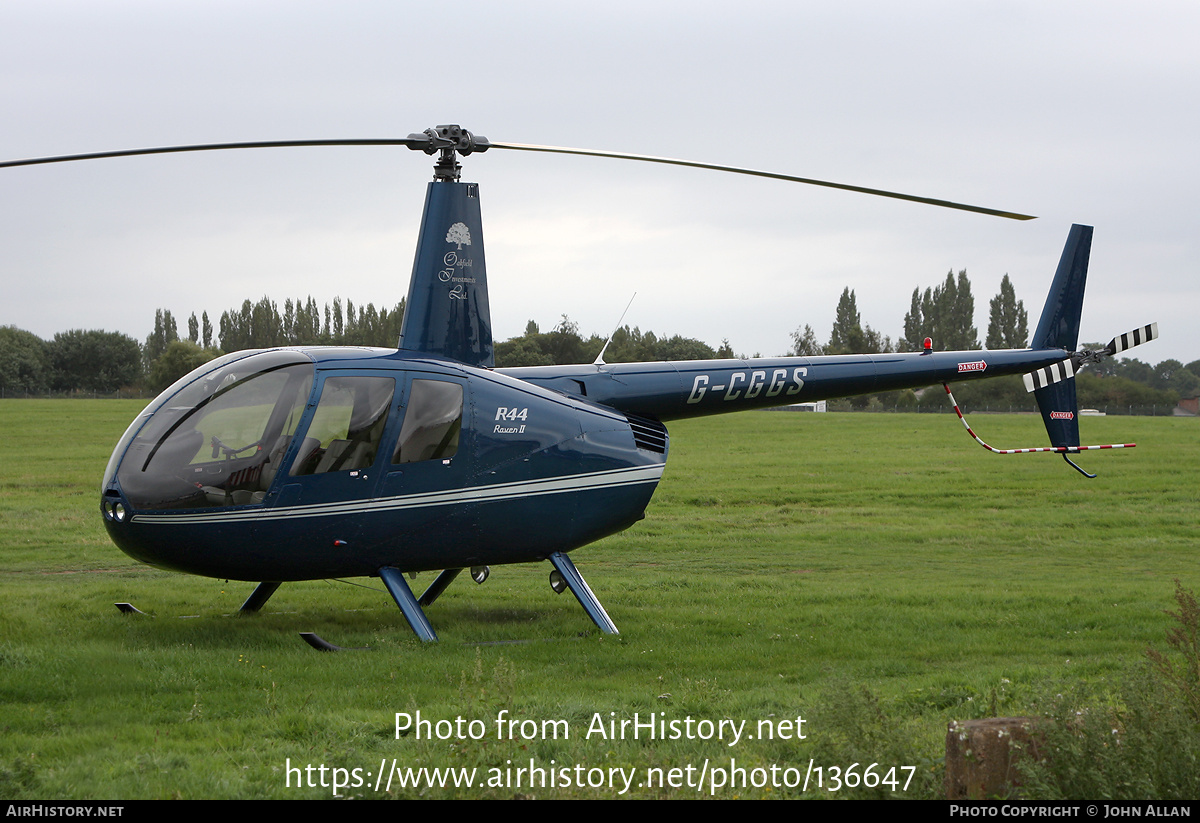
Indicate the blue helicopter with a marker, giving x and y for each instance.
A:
(311, 463)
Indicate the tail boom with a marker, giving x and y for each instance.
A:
(674, 390)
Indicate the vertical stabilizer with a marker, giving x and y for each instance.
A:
(1059, 326)
(1060, 413)
(447, 311)
(1059, 329)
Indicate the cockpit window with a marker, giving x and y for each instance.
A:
(219, 441)
(347, 426)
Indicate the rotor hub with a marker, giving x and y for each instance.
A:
(446, 142)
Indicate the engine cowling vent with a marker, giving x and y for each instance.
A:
(648, 434)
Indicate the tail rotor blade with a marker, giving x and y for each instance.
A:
(1049, 375)
(1133, 338)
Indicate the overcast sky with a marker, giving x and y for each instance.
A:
(1075, 112)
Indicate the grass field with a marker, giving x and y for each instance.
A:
(877, 575)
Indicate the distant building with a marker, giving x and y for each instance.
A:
(819, 406)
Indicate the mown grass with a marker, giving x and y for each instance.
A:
(878, 575)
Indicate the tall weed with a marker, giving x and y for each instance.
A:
(1142, 741)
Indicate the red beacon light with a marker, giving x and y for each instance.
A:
(928, 346)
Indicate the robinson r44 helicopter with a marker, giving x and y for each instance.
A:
(312, 463)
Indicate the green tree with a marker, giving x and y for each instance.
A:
(915, 327)
(1117, 394)
(181, 357)
(847, 336)
(1008, 322)
(632, 346)
(956, 313)
(1172, 375)
(1001, 394)
(564, 345)
(266, 325)
(24, 362)
(339, 327)
(253, 326)
(677, 347)
(876, 342)
(1133, 369)
(805, 343)
(945, 313)
(95, 360)
(235, 328)
(521, 351)
(165, 331)
(368, 326)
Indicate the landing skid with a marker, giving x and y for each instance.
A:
(314, 640)
(565, 576)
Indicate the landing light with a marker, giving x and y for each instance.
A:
(557, 582)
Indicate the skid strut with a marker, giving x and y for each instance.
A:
(582, 592)
(438, 586)
(259, 597)
(398, 588)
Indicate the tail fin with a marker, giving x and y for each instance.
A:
(1059, 326)
(1060, 413)
(1059, 329)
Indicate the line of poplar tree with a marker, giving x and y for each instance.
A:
(104, 362)
(945, 313)
(96, 361)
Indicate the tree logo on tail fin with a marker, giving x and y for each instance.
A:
(459, 234)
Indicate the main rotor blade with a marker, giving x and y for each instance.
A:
(422, 142)
(753, 172)
(269, 144)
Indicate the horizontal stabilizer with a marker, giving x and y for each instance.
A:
(1049, 375)
(1133, 338)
